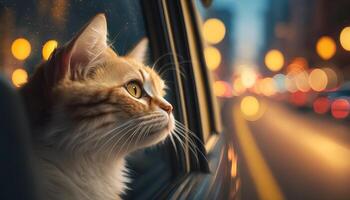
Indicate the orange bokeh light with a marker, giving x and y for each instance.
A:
(274, 60)
(48, 48)
(326, 47)
(299, 98)
(321, 105)
(238, 87)
(19, 77)
(268, 86)
(298, 64)
(222, 89)
(340, 108)
(318, 80)
(214, 30)
(21, 48)
(212, 57)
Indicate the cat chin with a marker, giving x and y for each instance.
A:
(155, 138)
(159, 136)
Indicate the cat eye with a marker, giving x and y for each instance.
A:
(134, 88)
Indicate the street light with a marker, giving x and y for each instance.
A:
(326, 47)
(21, 48)
(214, 31)
(274, 60)
(212, 57)
(19, 77)
(345, 38)
(48, 48)
(318, 80)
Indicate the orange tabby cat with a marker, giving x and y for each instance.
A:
(89, 108)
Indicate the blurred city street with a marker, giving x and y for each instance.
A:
(307, 155)
(278, 70)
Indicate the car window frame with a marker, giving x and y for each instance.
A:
(183, 16)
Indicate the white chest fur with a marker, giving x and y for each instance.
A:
(83, 179)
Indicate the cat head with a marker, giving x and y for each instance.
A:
(104, 103)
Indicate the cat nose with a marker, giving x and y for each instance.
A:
(166, 106)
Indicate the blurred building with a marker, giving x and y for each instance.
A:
(329, 18)
(294, 27)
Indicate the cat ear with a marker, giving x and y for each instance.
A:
(139, 51)
(73, 59)
(88, 44)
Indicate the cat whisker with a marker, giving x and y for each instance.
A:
(160, 58)
(161, 73)
(174, 145)
(177, 136)
(126, 141)
(126, 125)
(115, 134)
(101, 136)
(193, 146)
(138, 125)
(150, 126)
(124, 134)
(117, 130)
(181, 126)
(111, 42)
(139, 118)
(141, 127)
(163, 56)
(181, 130)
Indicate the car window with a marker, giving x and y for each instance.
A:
(30, 30)
(211, 60)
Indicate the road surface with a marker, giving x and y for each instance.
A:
(292, 154)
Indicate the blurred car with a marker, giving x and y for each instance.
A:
(335, 102)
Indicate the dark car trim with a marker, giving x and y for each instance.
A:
(170, 33)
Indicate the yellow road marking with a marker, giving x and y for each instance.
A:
(263, 179)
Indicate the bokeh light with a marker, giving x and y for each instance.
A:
(238, 87)
(321, 105)
(302, 81)
(212, 57)
(274, 60)
(290, 82)
(256, 87)
(21, 48)
(326, 47)
(340, 108)
(298, 64)
(318, 80)
(248, 76)
(345, 38)
(268, 86)
(19, 77)
(222, 89)
(332, 78)
(298, 98)
(48, 48)
(214, 30)
(280, 82)
(232, 157)
(250, 106)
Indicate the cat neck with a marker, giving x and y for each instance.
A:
(81, 178)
